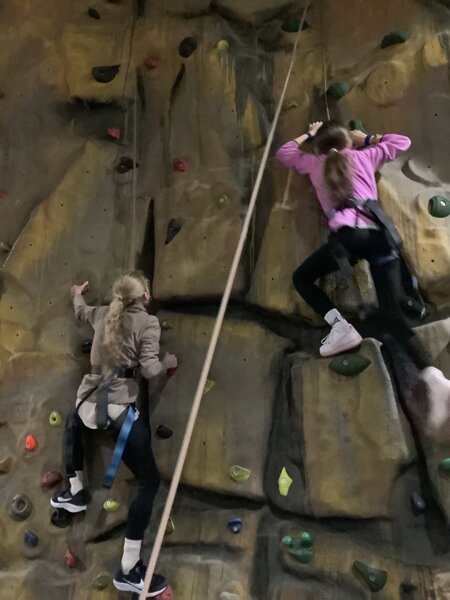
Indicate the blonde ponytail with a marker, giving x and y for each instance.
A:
(127, 290)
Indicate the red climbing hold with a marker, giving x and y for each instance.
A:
(167, 594)
(180, 165)
(51, 478)
(115, 133)
(151, 63)
(171, 372)
(30, 443)
(2, 194)
(70, 559)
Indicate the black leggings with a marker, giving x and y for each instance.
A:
(138, 456)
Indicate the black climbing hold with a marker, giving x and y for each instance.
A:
(338, 90)
(61, 518)
(235, 525)
(356, 124)
(349, 364)
(173, 228)
(293, 25)
(105, 74)
(395, 37)
(187, 47)
(439, 207)
(30, 539)
(21, 507)
(126, 164)
(86, 346)
(418, 504)
(375, 578)
(94, 14)
(164, 432)
(414, 307)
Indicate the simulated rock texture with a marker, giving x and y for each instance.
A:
(134, 140)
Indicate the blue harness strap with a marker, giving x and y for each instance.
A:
(120, 447)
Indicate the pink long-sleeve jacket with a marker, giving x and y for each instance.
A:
(365, 162)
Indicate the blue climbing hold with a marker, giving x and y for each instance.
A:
(235, 525)
(30, 539)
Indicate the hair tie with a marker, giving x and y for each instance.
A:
(333, 150)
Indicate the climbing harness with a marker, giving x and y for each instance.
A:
(216, 331)
(120, 447)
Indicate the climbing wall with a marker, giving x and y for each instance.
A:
(130, 135)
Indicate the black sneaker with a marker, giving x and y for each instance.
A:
(134, 581)
(73, 504)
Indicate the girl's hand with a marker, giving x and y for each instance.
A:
(314, 127)
(79, 289)
(358, 138)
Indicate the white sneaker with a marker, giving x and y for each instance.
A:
(342, 337)
(432, 404)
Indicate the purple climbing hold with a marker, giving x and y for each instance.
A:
(61, 518)
(30, 539)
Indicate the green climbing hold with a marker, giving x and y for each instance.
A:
(284, 482)
(439, 207)
(375, 578)
(303, 555)
(102, 581)
(306, 539)
(300, 547)
(110, 505)
(208, 386)
(239, 474)
(55, 419)
(356, 124)
(293, 25)
(444, 466)
(395, 37)
(338, 90)
(170, 526)
(349, 364)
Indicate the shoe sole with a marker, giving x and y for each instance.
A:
(350, 345)
(123, 586)
(72, 508)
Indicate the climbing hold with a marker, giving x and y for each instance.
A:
(349, 364)
(306, 539)
(94, 14)
(444, 466)
(223, 201)
(418, 504)
(55, 419)
(208, 386)
(173, 228)
(300, 547)
(110, 505)
(235, 525)
(86, 346)
(61, 518)
(439, 207)
(222, 45)
(356, 124)
(2, 194)
(338, 90)
(5, 247)
(229, 596)
(284, 482)
(30, 539)
(51, 478)
(187, 47)
(102, 581)
(170, 528)
(164, 432)
(395, 37)
(105, 74)
(6, 464)
(180, 165)
(293, 25)
(290, 104)
(30, 443)
(239, 474)
(114, 132)
(21, 507)
(151, 63)
(70, 559)
(126, 164)
(165, 325)
(171, 372)
(414, 307)
(375, 578)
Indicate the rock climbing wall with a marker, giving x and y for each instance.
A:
(130, 135)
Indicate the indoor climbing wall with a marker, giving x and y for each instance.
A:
(130, 135)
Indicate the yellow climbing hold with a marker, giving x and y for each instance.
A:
(110, 505)
(208, 386)
(239, 474)
(222, 45)
(170, 527)
(284, 482)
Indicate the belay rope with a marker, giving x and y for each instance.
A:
(216, 331)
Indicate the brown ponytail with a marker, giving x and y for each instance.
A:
(330, 139)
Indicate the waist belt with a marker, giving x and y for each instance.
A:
(103, 392)
(120, 372)
(120, 447)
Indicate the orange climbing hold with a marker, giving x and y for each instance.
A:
(151, 63)
(180, 165)
(70, 559)
(115, 133)
(30, 443)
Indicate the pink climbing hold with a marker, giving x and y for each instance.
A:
(151, 63)
(51, 478)
(115, 133)
(180, 165)
(70, 559)
(30, 443)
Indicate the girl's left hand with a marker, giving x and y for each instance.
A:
(314, 127)
(79, 289)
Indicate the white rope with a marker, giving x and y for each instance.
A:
(132, 242)
(325, 84)
(215, 335)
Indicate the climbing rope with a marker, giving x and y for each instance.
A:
(216, 331)
(132, 258)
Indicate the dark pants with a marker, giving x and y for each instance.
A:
(138, 456)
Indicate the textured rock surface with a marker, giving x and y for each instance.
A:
(68, 213)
